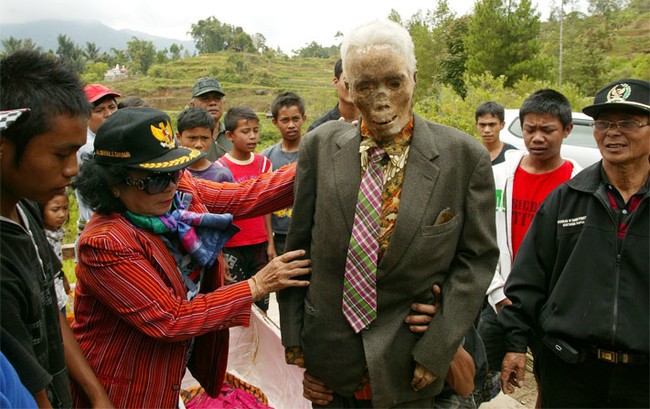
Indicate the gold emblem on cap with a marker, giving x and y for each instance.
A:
(174, 162)
(619, 92)
(164, 134)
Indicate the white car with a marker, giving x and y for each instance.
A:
(579, 145)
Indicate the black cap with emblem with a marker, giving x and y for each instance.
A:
(625, 93)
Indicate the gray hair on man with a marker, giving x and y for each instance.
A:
(379, 33)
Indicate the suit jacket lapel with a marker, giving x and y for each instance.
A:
(420, 177)
(347, 173)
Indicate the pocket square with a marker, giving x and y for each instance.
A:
(444, 216)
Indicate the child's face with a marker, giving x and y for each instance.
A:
(489, 127)
(198, 138)
(56, 212)
(245, 137)
(543, 136)
(100, 113)
(289, 122)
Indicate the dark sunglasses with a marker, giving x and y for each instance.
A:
(155, 183)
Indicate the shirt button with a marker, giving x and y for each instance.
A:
(624, 211)
(176, 387)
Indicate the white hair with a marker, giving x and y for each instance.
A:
(381, 33)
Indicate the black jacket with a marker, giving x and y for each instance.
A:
(30, 315)
(571, 277)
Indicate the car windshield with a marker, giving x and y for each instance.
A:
(582, 134)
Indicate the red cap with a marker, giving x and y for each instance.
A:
(97, 91)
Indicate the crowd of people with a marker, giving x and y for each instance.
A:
(401, 281)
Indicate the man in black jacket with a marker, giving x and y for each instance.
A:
(38, 160)
(580, 283)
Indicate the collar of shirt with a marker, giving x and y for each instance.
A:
(615, 195)
(396, 149)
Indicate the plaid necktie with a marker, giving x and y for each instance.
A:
(359, 285)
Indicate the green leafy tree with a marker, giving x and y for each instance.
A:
(141, 53)
(175, 50)
(91, 52)
(503, 39)
(95, 72)
(11, 45)
(395, 17)
(606, 8)
(241, 41)
(586, 41)
(210, 36)
(453, 64)
(71, 53)
(426, 50)
(259, 43)
(161, 56)
(313, 49)
(118, 57)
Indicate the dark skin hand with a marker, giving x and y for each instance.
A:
(315, 390)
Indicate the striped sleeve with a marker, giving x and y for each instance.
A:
(128, 284)
(265, 194)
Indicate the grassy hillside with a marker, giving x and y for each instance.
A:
(248, 80)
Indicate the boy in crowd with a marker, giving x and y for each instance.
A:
(195, 127)
(288, 112)
(249, 250)
(490, 120)
(522, 183)
(102, 105)
(38, 161)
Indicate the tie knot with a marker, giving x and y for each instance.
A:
(377, 154)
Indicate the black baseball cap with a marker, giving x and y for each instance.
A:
(205, 85)
(625, 93)
(142, 138)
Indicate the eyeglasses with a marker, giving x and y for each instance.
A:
(623, 126)
(155, 183)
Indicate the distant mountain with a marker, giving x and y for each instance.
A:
(45, 32)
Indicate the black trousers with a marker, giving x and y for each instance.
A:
(592, 383)
(494, 339)
(344, 402)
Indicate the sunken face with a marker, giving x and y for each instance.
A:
(382, 90)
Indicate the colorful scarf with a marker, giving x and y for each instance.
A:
(202, 235)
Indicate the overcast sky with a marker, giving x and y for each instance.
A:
(289, 24)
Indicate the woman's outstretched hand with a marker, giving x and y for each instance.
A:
(279, 273)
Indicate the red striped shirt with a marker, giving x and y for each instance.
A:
(132, 318)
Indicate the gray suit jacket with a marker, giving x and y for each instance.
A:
(446, 169)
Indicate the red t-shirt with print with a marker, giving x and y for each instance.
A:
(529, 192)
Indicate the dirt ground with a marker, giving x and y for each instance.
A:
(522, 398)
(528, 394)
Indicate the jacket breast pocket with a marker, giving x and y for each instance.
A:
(437, 229)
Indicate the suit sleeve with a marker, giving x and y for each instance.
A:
(469, 274)
(527, 285)
(291, 300)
